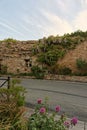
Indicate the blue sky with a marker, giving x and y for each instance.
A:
(34, 19)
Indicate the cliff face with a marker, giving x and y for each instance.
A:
(16, 56)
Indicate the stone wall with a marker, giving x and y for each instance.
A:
(66, 78)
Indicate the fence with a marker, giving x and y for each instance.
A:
(5, 80)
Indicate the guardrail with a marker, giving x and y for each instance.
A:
(6, 80)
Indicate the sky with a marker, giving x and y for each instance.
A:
(35, 19)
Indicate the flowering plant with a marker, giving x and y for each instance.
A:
(41, 119)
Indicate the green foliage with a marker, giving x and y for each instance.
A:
(50, 57)
(39, 121)
(37, 72)
(15, 93)
(63, 70)
(60, 70)
(50, 40)
(79, 33)
(81, 64)
(42, 120)
(68, 41)
(34, 51)
(80, 74)
(10, 40)
(43, 47)
(53, 48)
(3, 69)
(25, 74)
(11, 102)
(10, 116)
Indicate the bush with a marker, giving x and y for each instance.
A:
(81, 64)
(42, 120)
(60, 70)
(11, 102)
(37, 72)
(25, 74)
(10, 40)
(3, 69)
(63, 70)
(10, 116)
(15, 94)
(50, 58)
(80, 74)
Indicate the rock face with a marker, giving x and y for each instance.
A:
(70, 58)
(17, 57)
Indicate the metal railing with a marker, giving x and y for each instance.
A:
(5, 80)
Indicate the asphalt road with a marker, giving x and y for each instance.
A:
(71, 96)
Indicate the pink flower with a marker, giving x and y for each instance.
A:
(42, 110)
(67, 124)
(57, 108)
(74, 121)
(39, 101)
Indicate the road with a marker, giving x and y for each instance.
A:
(71, 96)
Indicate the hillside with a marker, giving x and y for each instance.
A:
(62, 55)
(70, 58)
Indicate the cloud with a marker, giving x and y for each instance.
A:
(10, 27)
(56, 25)
(63, 5)
(80, 21)
(36, 19)
(46, 23)
(84, 3)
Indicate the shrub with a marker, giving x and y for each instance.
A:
(51, 57)
(10, 116)
(3, 69)
(25, 74)
(37, 72)
(42, 120)
(81, 64)
(10, 40)
(11, 102)
(14, 93)
(60, 70)
(80, 74)
(54, 69)
(63, 70)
